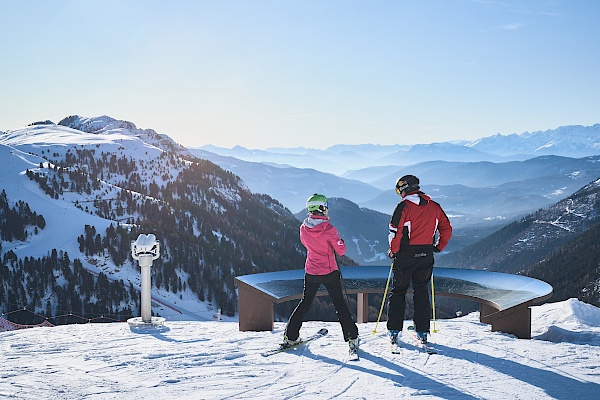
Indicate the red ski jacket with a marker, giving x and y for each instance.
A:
(415, 221)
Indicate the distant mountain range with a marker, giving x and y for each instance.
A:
(475, 193)
(569, 141)
(291, 185)
(573, 141)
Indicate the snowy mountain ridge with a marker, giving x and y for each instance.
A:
(98, 190)
(67, 216)
(570, 140)
(575, 141)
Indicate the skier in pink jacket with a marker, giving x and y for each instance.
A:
(322, 241)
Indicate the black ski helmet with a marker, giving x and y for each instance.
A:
(408, 183)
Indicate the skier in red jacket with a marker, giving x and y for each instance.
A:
(322, 241)
(419, 227)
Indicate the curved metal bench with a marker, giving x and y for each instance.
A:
(504, 299)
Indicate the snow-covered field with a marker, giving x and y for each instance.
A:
(214, 360)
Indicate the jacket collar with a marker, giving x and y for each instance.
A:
(314, 220)
(415, 197)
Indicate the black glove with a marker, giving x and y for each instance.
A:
(390, 254)
(435, 249)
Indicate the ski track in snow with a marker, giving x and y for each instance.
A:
(214, 360)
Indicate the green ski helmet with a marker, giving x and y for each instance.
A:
(316, 203)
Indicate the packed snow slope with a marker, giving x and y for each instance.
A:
(213, 360)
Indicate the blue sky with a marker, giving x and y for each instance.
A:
(303, 73)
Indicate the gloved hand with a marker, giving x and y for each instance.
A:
(436, 250)
(390, 254)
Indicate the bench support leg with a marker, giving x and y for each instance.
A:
(255, 312)
(362, 307)
(484, 311)
(516, 320)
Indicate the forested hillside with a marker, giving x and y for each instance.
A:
(54, 285)
(573, 269)
(558, 244)
(211, 227)
(14, 220)
(520, 245)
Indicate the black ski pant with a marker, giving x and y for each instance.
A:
(332, 282)
(413, 265)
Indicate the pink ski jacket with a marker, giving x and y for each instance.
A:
(322, 241)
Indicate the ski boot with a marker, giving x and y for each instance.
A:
(290, 343)
(353, 348)
(393, 334)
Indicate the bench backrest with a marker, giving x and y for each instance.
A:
(499, 290)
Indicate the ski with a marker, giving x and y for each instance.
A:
(322, 332)
(428, 349)
(425, 346)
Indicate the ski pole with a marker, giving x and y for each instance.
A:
(433, 304)
(384, 295)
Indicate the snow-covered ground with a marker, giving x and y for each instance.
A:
(214, 360)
